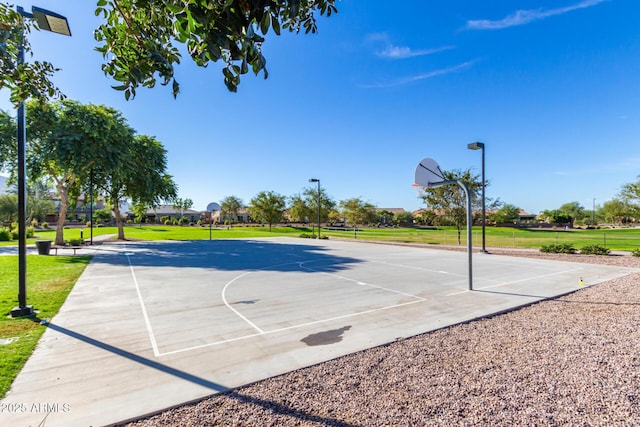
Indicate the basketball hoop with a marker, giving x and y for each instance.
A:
(419, 189)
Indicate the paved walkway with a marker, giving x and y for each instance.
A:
(154, 325)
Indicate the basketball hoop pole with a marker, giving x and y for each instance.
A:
(467, 194)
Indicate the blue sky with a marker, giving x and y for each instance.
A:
(550, 87)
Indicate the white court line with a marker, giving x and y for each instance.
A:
(418, 268)
(261, 332)
(360, 282)
(518, 281)
(224, 299)
(315, 322)
(152, 338)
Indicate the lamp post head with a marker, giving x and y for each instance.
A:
(314, 180)
(51, 21)
(476, 146)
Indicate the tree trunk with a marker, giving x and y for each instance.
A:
(116, 211)
(62, 215)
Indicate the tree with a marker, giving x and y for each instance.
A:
(384, 216)
(182, 205)
(507, 213)
(8, 143)
(140, 174)
(449, 200)
(574, 210)
(403, 218)
(230, 206)
(327, 204)
(299, 210)
(39, 200)
(555, 216)
(615, 211)
(32, 78)
(8, 207)
(356, 211)
(67, 139)
(630, 194)
(138, 36)
(268, 207)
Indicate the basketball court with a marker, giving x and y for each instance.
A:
(156, 324)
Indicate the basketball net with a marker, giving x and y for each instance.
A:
(419, 189)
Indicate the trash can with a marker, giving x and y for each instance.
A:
(44, 246)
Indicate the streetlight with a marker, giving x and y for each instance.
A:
(318, 181)
(55, 23)
(480, 146)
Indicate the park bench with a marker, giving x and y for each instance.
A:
(75, 248)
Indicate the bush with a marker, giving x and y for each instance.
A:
(28, 232)
(558, 248)
(46, 224)
(34, 222)
(76, 242)
(5, 235)
(635, 252)
(88, 224)
(595, 250)
(164, 219)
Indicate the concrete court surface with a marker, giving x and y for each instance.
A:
(152, 325)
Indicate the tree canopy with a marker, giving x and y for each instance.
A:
(139, 37)
(449, 200)
(507, 213)
(356, 211)
(30, 79)
(229, 207)
(268, 207)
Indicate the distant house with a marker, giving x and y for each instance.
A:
(154, 215)
(243, 216)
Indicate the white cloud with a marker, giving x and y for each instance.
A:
(400, 52)
(423, 76)
(522, 17)
(391, 51)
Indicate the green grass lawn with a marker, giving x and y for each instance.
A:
(626, 239)
(614, 239)
(49, 281)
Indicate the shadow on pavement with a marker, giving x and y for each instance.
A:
(215, 387)
(224, 255)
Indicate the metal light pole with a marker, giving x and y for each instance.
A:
(53, 22)
(480, 146)
(318, 181)
(593, 213)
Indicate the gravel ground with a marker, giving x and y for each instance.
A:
(570, 361)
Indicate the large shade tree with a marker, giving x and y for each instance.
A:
(66, 140)
(140, 40)
(139, 37)
(140, 175)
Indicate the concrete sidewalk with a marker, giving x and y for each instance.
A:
(101, 361)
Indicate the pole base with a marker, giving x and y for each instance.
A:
(23, 311)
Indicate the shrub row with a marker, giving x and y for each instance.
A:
(567, 248)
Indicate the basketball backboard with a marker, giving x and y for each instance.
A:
(428, 172)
